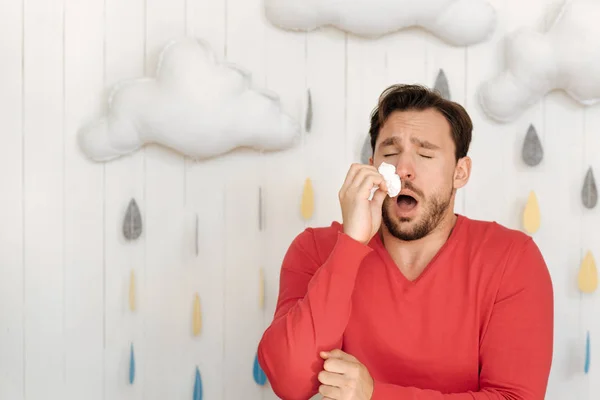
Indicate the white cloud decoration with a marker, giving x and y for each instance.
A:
(565, 57)
(195, 106)
(458, 22)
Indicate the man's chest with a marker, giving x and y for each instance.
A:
(424, 334)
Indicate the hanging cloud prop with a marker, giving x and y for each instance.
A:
(565, 57)
(195, 106)
(458, 22)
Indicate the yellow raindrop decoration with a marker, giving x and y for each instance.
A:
(531, 215)
(132, 291)
(588, 275)
(261, 289)
(197, 317)
(307, 206)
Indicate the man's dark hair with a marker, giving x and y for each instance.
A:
(417, 97)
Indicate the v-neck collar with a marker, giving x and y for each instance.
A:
(378, 246)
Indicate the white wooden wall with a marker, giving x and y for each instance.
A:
(65, 326)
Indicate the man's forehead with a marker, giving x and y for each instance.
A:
(423, 125)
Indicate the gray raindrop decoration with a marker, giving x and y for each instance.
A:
(589, 192)
(441, 85)
(309, 113)
(132, 224)
(366, 152)
(532, 148)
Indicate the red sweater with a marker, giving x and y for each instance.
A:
(476, 324)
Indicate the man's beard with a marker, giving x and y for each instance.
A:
(433, 213)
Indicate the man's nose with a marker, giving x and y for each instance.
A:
(405, 168)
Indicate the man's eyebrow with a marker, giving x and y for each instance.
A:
(394, 141)
(424, 144)
(391, 141)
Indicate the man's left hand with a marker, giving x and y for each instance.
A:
(344, 377)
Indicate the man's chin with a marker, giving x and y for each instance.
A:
(402, 228)
(407, 228)
(406, 235)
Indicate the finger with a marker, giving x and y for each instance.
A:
(342, 355)
(362, 184)
(354, 168)
(335, 365)
(339, 366)
(371, 181)
(363, 174)
(378, 198)
(356, 175)
(330, 392)
(331, 379)
(334, 353)
(350, 177)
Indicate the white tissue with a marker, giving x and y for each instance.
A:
(392, 180)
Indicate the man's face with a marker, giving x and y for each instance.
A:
(420, 145)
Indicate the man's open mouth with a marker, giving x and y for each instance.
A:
(406, 202)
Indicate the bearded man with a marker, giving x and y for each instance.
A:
(407, 299)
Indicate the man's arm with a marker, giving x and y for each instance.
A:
(516, 348)
(312, 312)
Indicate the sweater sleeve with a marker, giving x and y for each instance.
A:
(516, 349)
(311, 315)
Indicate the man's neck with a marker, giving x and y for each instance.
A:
(413, 256)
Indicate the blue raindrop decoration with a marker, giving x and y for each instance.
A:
(131, 366)
(587, 353)
(259, 375)
(198, 386)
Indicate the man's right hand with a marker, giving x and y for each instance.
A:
(361, 216)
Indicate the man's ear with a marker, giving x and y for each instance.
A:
(462, 172)
(370, 160)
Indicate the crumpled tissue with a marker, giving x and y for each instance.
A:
(392, 180)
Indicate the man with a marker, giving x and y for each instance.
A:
(406, 299)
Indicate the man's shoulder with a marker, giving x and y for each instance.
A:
(319, 241)
(491, 228)
(491, 235)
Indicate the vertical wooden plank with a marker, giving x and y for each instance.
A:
(324, 146)
(284, 174)
(560, 235)
(43, 145)
(205, 275)
(488, 179)
(519, 177)
(507, 188)
(205, 200)
(560, 238)
(366, 65)
(84, 203)
(589, 241)
(124, 32)
(11, 201)
(167, 321)
(243, 322)
(284, 171)
(563, 236)
(245, 47)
